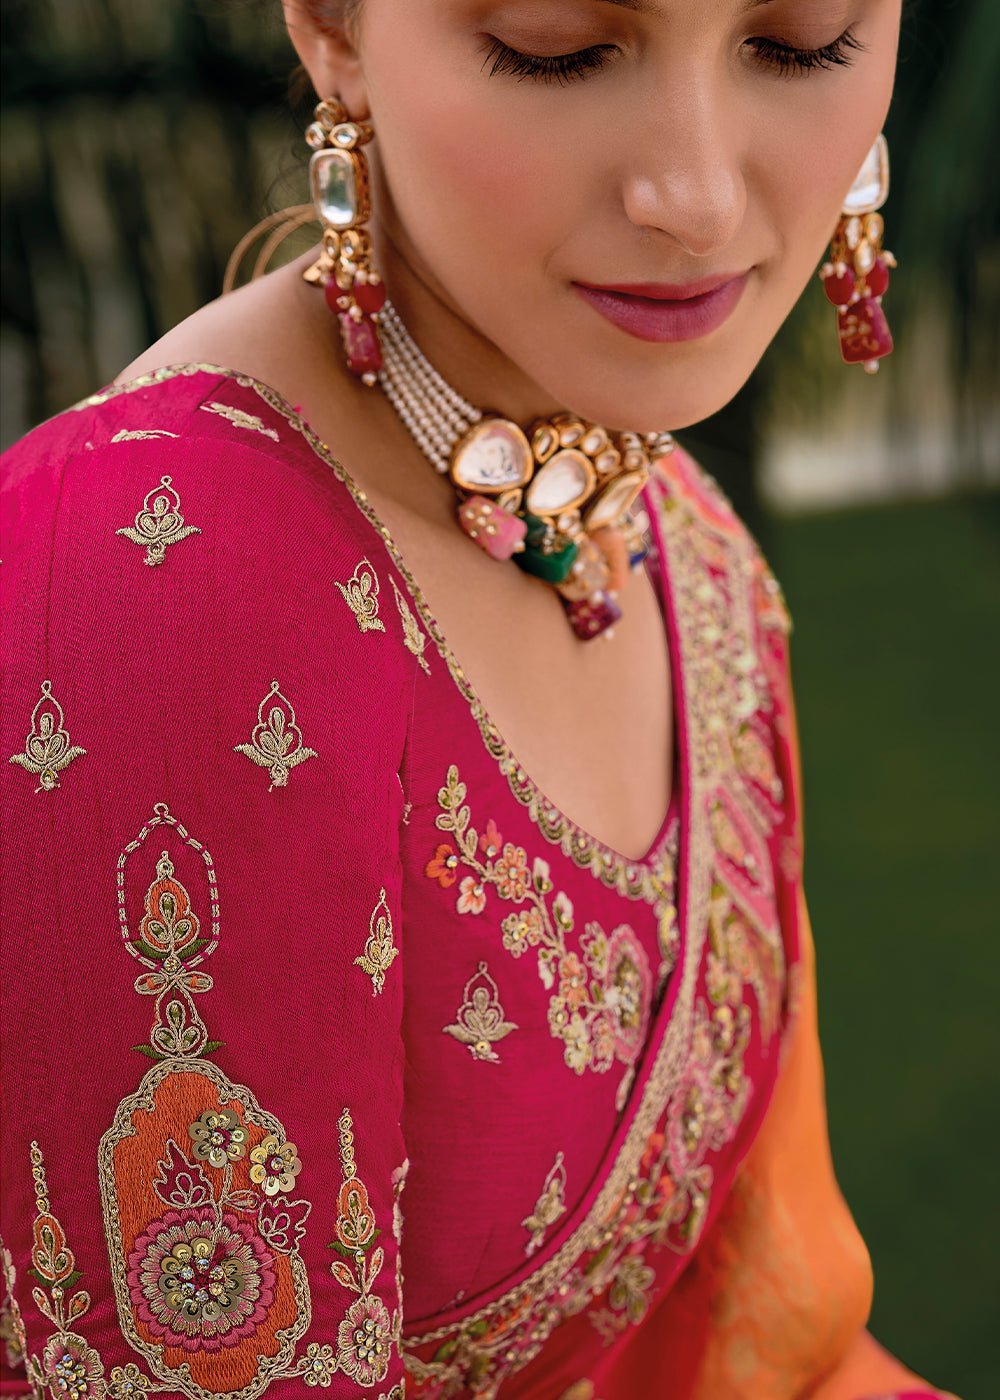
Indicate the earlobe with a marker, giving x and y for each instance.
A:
(327, 50)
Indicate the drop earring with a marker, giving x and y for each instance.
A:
(857, 275)
(339, 184)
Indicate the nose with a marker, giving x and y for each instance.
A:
(684, 176)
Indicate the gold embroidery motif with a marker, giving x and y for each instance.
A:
(196, 1178)
(480, 1021)
(170, 945)
(550, 1205)
(159, 524)
(601, 995)
(68, 1366)
(11, 1323)
(628, 1297)
(47, 749)
(413, 638)
(361, 596)
(142, 434)
(248, 421)
(367, 1334)
(379, 950)
(276, 743)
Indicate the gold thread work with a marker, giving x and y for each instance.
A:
(276, 742)
(360, 593)
(159, 523)
(481, 1021)
(379, 952)
(48, 748)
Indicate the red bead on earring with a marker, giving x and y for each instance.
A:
(857, 275)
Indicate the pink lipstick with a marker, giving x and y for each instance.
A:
(667, 312)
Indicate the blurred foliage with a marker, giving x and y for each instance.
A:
(896, 672)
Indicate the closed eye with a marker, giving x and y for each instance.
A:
(555, 68)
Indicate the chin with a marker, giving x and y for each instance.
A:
(653, 387)
(668, 399)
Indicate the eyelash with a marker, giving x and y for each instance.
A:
(559, 68)
(564, 68)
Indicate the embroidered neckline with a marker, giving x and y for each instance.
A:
(650, 877)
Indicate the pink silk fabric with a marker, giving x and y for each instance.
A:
(335, 1053)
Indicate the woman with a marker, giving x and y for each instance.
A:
(472, 941)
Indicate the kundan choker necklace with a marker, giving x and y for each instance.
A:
(556, 497)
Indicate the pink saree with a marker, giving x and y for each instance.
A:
(337, 1058)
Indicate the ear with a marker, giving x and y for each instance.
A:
(326, 46)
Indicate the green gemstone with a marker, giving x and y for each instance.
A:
(538, 529)
(553, 566)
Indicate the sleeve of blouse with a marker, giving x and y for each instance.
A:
(206, 702)
(780, 1290)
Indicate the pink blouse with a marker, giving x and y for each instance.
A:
(334, 1048)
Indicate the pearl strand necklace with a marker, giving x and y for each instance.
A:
(555, 500)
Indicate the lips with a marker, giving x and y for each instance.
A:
(667, 312)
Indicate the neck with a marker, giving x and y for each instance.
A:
(473, 365)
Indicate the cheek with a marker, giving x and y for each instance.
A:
(813, 155)
(474, 194)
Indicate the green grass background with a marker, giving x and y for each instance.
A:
(896, 662)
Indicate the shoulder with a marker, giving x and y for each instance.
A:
(194, 512)
(221, 448)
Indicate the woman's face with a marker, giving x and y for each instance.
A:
(619, 200)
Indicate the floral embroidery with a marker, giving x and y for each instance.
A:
(551, 1204)
(11, 1323)
(203, 1239)
(379, 951)
(47, 749)
(600, 995)
(628, 1299)
(738, 955)
(68, 1366)
(471, 896)
(219, 1138)
(248, 421)
(756, 760)
(367, 1333)
(481, 1020)
(361, 596)
(127, 1383)
(511, 871)
(159, 524)
(200, 1279)
(276, 742)
(142, 434)
(413, 638)
(443, 866)
(275, 1165)
(319, 1365)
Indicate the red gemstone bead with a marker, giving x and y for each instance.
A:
(370, 296)
(333, 294)
(878, 278)
(839, 287)
(864, 332)
(592, 616)
(364, 353)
